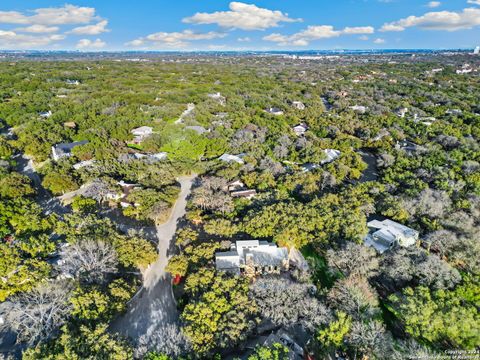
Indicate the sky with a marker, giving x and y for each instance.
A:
(187, 25)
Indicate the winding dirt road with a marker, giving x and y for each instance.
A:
(154, 305)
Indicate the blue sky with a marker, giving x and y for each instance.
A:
(250, 25)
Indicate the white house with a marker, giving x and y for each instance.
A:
(274, 111)
(232, 158)
(359, 109)
(141, 133)
(65, 149)
(298, 105)
(253, 257)
(222, 100)
(45, 114)
(387, 234)
(300, 129)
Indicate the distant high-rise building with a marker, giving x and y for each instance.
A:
(476, 51)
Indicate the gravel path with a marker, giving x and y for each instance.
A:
(154, 305)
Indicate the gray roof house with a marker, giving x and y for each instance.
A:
(232, 158)
(65, 149)
(253, 257)
(387, 234)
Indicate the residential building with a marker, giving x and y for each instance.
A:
(300, 129)
(401, 112)
(198, 129)
(222, 100)
(282, 337)
(235, 186)
(246, 194)
(232, 158)
(45, 114)
(83, 164)
(359, 109)
(65, 149)
(330, 155)
(252, 258)
(141, 133)
(70, 124)
(274, 111)
(298, 105)
(72, 82)
(387, 234)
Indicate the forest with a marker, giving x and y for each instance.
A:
(76, 231)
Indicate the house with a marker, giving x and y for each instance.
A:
(401, 112)
(83, 164)
(222, 100)
(70, 124)
(456, 112)
(274, 111)
(387, 234)
(476, 51)
(65, 149)
(281, 337)
(330, 155)
(408, 146)
(359, 109)
(252, 258)
(141, 133)
(198, 129)
(300, 129)
(246, 194)
(298, 105)
(72, 82)
(46, 114)
(235, 186)
(232, 158)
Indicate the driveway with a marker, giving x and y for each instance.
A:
(154, 305)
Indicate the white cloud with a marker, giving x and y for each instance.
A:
(317, 32)
(434, 4)
(363, 38)
(68, 14)
(38, 29)
(358, 30)
(12, 40)
(242, 16)
(94, 29)
(244, 39)
(89, 44)
(175, 39)
(475, 2)
(379, 41)
(440, 20)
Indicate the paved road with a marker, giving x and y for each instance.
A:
(154, 305)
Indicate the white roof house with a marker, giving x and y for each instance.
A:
(232, 158)
(254, 254)
(46, 114)
(142, 131)
(83, 164)
(222, 100)
(300, 129)
(274, 111)
(65, 149)
(330, 155)
(298, 105)
(386, 234)
(359, 109)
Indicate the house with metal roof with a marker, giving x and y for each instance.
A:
(387, 234)
(252, 258)
(65, 149)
